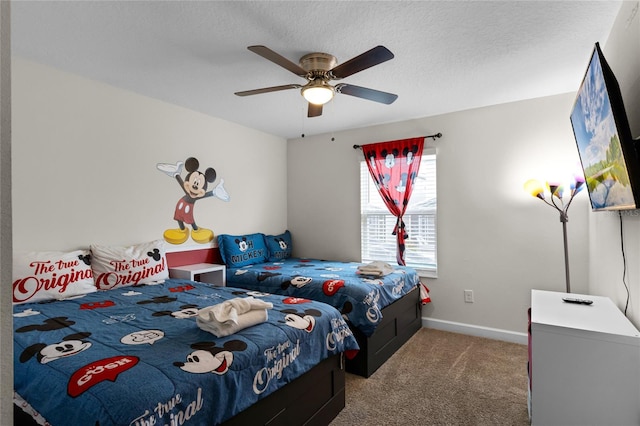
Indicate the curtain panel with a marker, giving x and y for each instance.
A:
(394, 166)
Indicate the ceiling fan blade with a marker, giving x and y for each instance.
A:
(314, 110)
(278, 59)
(268, 89)
(365, 93)
(375, 56)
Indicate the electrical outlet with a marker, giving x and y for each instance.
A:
(468, 296)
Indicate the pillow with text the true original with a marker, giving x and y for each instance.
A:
(242, 250)
(279, 246)
(115, 267)
(51, 275)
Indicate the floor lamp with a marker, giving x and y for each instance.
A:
(537, 189)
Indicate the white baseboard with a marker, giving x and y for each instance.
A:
(475, 330)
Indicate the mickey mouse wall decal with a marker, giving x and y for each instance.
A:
(194, 186)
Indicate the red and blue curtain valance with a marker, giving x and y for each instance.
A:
(394, 166)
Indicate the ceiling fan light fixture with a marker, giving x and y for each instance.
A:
(318, 92)
(319, 70)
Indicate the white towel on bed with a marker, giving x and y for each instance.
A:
(233, 315)
(377, 268)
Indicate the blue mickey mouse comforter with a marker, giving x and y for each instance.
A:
(135, 356)
(360, 298)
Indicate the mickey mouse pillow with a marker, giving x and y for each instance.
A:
(242, 250)
(279, 246)
(51, 275)
(115, 267)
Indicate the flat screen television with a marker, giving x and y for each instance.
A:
(601, 129)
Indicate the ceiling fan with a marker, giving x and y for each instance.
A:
(319, 69)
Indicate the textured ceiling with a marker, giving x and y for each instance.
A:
(449, 55)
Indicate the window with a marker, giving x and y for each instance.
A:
(377, 242)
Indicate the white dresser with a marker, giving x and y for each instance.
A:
(585, 362)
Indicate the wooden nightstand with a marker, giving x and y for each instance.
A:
(203, 272)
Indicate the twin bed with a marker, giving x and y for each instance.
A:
(130, 350)
(382, 311)
(137, 357)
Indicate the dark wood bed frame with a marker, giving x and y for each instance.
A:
(315, 398)
(400, 321)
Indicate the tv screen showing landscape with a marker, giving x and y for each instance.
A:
(599, 143)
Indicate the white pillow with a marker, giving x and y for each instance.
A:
(115, 267)
(51, 275)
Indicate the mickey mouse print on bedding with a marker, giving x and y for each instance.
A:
(359, 298)
(135, 355)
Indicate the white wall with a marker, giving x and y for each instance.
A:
(84, 165)
(493, 238)
(622, 52)
(84, 170)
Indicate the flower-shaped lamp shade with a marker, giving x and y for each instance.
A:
(557, 190)
(535, 188)
(577, 185)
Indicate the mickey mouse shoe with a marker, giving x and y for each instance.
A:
(202, 235)
(176, 236)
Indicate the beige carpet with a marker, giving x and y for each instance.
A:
(442, 378)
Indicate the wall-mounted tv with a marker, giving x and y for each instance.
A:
(607, 150)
